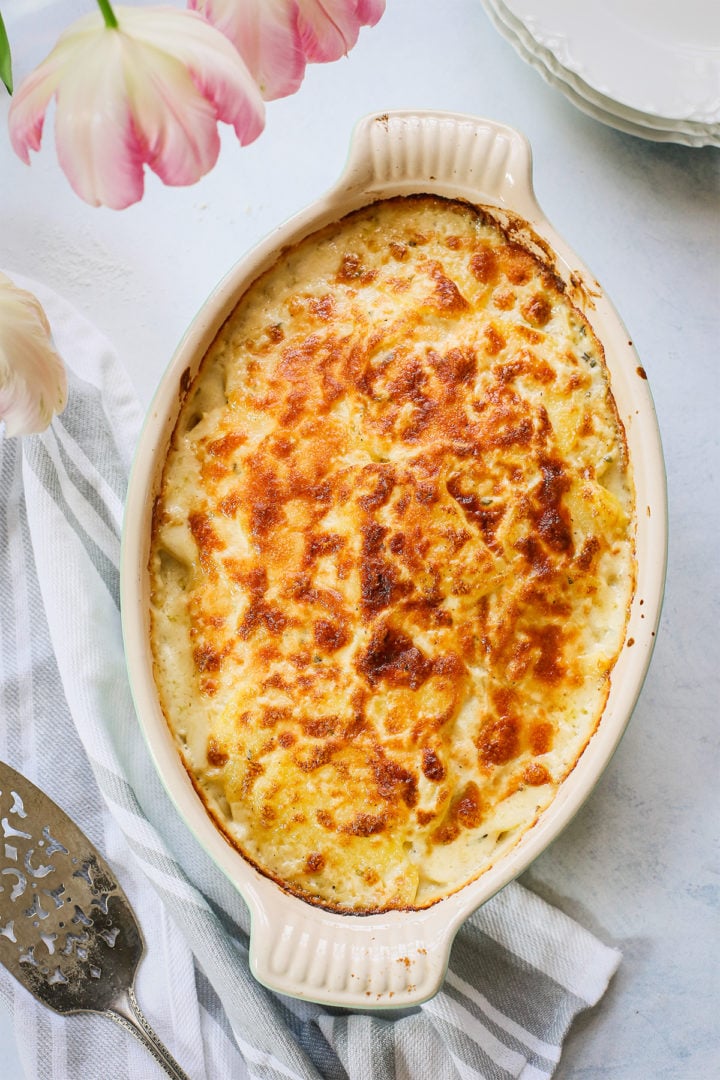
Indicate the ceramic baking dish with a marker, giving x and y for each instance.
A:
(396, 959)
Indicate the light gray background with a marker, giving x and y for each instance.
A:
(639, 866)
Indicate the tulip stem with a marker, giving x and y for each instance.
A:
(108, 14)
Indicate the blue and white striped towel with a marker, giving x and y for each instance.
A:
(519, 972)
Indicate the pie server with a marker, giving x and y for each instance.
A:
(67, 931)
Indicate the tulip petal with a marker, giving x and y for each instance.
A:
(266, 34)
(369, 12)
(30, 101)
(33, 381)
(213, 64)
(330, 28)
(97, 146)
(175, 125)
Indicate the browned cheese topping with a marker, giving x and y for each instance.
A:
(392, 557)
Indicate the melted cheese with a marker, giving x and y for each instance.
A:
(392, 556)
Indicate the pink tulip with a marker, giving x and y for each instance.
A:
(277, 38)
(33, 383)
(149, 90)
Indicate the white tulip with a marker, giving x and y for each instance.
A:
(33, 381)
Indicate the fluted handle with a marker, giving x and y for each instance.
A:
(457, 155)
(387, 961)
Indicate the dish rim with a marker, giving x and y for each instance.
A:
(394, 959)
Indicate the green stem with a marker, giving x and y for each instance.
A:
(5, 58)
(108, 14)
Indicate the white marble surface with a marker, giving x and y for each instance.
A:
(640, 865)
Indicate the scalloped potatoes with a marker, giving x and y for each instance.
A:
(392, 555)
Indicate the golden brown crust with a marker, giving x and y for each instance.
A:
(393, 555)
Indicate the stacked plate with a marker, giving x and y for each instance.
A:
(650, 68)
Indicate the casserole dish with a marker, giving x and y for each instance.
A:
(396, 958)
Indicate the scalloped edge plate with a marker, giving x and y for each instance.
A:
(590, 101)
(657, 57)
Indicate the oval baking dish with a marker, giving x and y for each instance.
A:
(397, 958)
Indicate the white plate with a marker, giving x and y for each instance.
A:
(659, 57)
(590, 101)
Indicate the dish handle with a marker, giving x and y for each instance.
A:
(460, 156)
(386, 961)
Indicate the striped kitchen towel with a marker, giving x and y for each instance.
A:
(519, 972)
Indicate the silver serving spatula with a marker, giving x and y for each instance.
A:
(67, 931)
